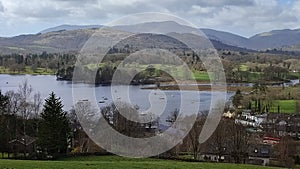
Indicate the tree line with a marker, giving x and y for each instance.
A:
(18, 62)
(29, 129)
(265, 67)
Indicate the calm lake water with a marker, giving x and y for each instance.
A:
(45, 84)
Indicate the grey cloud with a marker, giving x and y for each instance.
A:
(225, 2)
(238, 16)
(96, 13)
(254, 19)
(1, 7)
(180, 5)
(129, 9)
(76, 2)
(42, 12)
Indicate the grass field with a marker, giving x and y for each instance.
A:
(201, 76)
(114, 162)
(286, 106)
(295, 74)
(243, 67)
(27, 70)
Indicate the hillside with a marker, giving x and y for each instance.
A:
(262, 41)
(275, 39)
(226, 38)
(73, 40)
(70, 28)
(53, 42)
(66, 38)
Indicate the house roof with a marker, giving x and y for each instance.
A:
(24, 140)
(260, 150)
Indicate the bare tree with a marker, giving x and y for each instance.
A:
(84, 114)
(171, 119)
(144, 125)
(25, 91)
(193, 136)
(13, 109)
(36, 110)
(13, 102)
(218, 142)
(25, 106)
(36, 105)
(285, 151)
(239, 142)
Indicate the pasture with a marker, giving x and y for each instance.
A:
(115, 162)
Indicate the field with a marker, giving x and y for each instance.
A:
(110, 162)
(201, 76)
(27, 70)
(243, 67)
(286, 106)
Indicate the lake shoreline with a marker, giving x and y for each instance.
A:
(184, 85)
(199, 87)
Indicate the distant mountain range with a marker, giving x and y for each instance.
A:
(67, 38)
(70, 28)
(262, 41)
(276, 39)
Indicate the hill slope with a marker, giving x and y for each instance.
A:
(275, 39)
(70, 28)
(67, 38)
(227, 38)
(73, 40)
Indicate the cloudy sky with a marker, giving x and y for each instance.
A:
(244, 17)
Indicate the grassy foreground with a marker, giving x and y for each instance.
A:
(110, 162)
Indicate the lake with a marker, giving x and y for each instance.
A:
(45, 84)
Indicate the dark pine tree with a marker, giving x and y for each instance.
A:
(54, 128)
(237, 98)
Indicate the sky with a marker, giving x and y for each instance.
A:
(243, 17)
